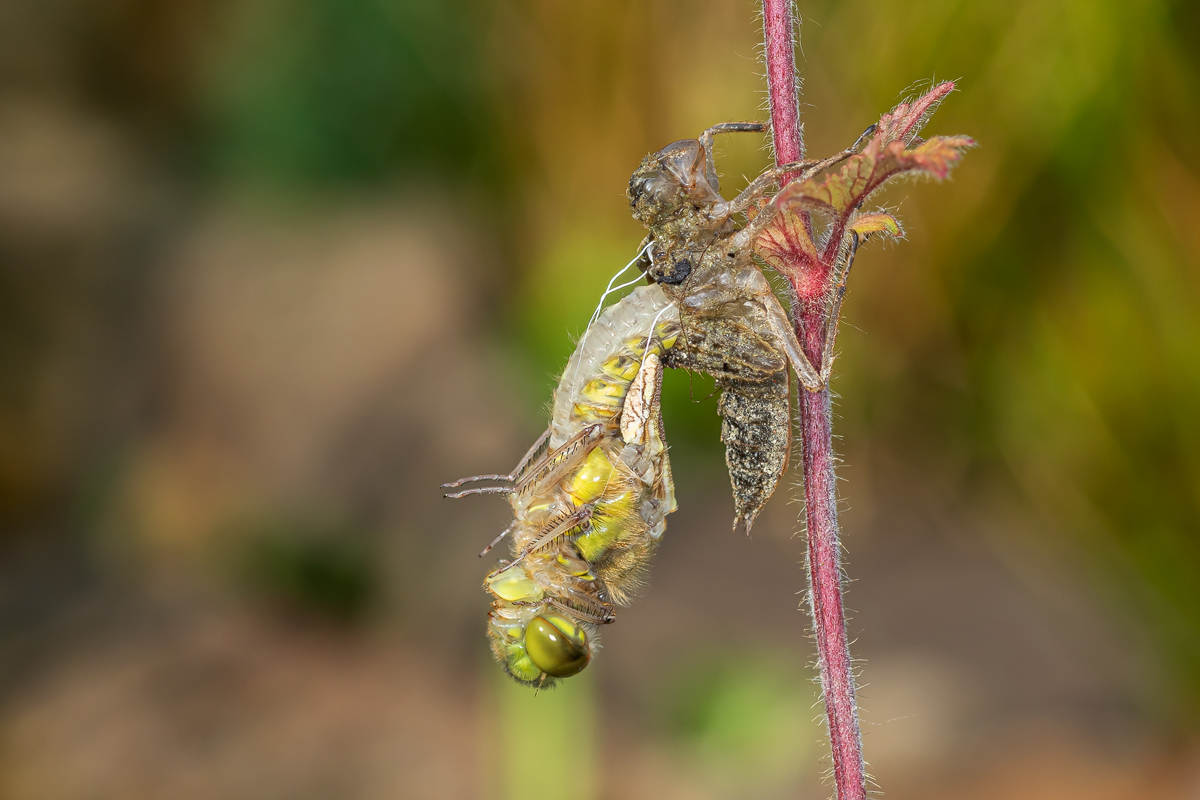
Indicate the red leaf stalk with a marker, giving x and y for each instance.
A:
(816, 436)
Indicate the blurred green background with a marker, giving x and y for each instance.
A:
(272, 270)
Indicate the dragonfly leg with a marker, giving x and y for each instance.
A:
(474, 478)
(519, 470)
(495, 541)
(599, 615)
(510, 477)
(480, 490)
(554, 464)
(554, 532)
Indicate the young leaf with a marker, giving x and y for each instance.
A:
(876, 222)
(906, 120)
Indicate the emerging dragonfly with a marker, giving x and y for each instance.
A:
(590, 498)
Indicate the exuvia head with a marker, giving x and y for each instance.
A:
(678, 176)
(682, 174)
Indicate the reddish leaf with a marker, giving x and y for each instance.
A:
(788, 248)
(842, 192)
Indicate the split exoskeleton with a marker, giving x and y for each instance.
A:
(733, 325)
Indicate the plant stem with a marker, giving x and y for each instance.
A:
(816, 436)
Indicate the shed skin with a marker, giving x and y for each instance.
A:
(733, 325)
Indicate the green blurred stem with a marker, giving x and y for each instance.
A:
(816, 435)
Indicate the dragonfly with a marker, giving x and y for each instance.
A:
(589, 498)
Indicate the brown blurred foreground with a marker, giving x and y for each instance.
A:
(221, 703)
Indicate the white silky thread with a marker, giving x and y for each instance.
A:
(646, 349)
(600, 306)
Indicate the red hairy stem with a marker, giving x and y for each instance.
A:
(783, 92)
(816, 435)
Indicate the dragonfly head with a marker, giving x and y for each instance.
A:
(557, 645)
(548, 646)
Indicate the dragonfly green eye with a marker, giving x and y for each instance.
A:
(557, 645)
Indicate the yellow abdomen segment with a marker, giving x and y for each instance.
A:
(612, 521)
(590, 480)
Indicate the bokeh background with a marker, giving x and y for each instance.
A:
(272, 270)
